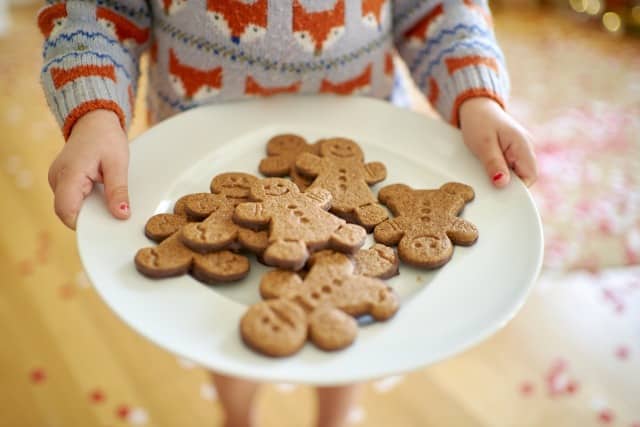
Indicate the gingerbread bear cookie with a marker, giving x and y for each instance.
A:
(340, 169)
(217, 230)
(426, 223)
(330, 296)
(298, 222)
(282, 151)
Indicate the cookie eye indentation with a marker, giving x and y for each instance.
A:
(433, 245)
(315, 295)
(275, 328)
(292, 207)
(298, 213)
(426, 219)
(265, 319)
(305, 220)
(326, 289)
(337, 282)
(417, 244)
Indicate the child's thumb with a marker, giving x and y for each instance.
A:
(115, 169)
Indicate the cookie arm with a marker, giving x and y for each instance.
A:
(320, 197)
(374, 172)
(309, 164)
(389, 232)
(251, 215)
(274, 166)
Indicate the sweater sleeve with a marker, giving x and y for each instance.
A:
(91, 54)
(451, 52)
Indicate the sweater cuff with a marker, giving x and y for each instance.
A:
(486, 78)
(82, 83)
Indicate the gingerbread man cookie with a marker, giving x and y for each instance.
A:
(331, 295)
(282, 151)
(161, 226)
(218, 231)
(340, 169)
(426, 223)
(298, 222)
(172, 258)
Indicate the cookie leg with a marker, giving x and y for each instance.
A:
(253, 241)
(370, 215)
(290, 255)
(462, 232)
(348, 238)
(429, 251)
(331, 329)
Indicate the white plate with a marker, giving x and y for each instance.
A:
(442, 313)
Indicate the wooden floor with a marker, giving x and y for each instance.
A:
(570, 358)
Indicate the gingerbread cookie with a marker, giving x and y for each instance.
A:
(426, 223)
(172, 258)
(217, 230)
(331, 286)
(163, 225)
(298, 222)
(340, 169)
(379, 261)
(282, 151)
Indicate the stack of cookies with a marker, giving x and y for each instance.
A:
(311, 227)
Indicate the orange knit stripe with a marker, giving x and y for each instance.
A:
(472, 93)
(48, 16)
(434, 91)
(124, 28)
(388, 64)
(252, 87)
(482, 11)
(86, 107)
(349, 86)
(153, 52)
(62, 76)
(454, 64)
(420, 30)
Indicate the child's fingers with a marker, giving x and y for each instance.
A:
(487, 149)
(115, 169)
(518, 152)
(71, 187)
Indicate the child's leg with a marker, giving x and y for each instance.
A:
(334, 404)
(237, 398)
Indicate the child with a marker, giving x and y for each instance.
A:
(205, 51)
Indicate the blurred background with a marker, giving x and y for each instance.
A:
(570, 358)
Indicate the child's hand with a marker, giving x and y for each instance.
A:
(97, 151)
(498, 141)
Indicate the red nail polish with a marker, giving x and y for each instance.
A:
(124, 207)
(497, 177)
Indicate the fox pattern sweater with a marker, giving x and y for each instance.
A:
(206, 51)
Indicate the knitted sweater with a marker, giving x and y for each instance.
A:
(206, 51)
